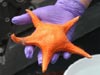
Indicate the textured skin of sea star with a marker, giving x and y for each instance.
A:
(51, 38)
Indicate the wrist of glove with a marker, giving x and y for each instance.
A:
(73, 6)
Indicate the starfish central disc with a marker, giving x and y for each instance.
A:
(51, 38)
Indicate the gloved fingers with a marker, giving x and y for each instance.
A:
(71, 32)
(24, 18)
(39, 57)
(55, 58)
(29, 50)
(66, 55)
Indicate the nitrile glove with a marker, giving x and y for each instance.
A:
(61, 12)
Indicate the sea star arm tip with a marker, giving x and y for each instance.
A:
(15, 39)
(47, 56)
(34, 18)
(70, 23)
(76, 50)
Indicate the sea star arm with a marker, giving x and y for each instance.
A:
(47, 55)
(22, 40)
(16, 39)
(34, 18)
(69, 47)
(70, 23)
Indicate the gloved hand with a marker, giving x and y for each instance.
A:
(61, 12)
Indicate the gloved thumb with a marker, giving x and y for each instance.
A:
(24, 18)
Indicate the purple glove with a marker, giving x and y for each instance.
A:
(62, 11)
(29, 50)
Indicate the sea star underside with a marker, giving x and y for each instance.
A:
(51, 38)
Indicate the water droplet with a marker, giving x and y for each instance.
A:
(7, 19)
(4, 4)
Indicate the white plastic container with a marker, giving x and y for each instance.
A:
(85, 66)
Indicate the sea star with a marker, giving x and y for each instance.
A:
(51, 38)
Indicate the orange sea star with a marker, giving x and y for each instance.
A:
(51, 38)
